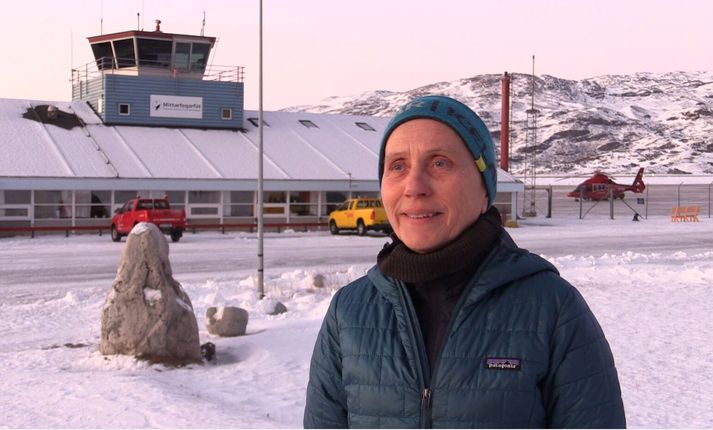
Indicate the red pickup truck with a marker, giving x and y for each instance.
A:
(156, 211)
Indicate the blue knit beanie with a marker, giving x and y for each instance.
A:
(466, 123)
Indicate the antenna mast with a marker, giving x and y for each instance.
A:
(203, 26)
(529, 209)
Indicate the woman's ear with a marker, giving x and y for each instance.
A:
(484, 204)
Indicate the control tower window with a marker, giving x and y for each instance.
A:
(153, 52)
(103, 55)
(183, 55)
(199, 56)
(125, 53)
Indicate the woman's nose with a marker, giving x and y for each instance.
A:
(417, 184)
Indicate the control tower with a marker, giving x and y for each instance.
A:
(159, 79)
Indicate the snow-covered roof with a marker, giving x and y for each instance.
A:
(297, 146)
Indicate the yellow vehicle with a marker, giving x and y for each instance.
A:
(360, 214)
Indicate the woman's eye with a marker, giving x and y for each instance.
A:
(397, 167)
(440, 163)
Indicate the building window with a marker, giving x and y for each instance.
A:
(154, 52)
(204, 204)
(15, 204)
(92, 204)
(226, 113)
(182, 56)
(307, 123)
(121, 197)
(204, 197)
(254, 122)
(124, 109)
(177, 199)
(333, 200)
(17, 197)
(204, 211)
(124, 50)
(53, 204)
(365, 126)
(104, 55)
(303, 203)
(199, 55)
(275, 203)
(238, 203)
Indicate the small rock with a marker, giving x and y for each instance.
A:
(271, 307)
(318, 281)
(279, 309)
(208, 351)
(226, 321)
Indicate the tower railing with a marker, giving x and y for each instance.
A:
(127, 66)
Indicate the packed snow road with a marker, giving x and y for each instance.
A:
(54, 260)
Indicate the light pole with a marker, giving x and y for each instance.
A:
(350, 184)
(260, 224)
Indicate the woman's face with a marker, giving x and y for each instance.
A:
(431, 187)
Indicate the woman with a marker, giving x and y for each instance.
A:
(456, 326)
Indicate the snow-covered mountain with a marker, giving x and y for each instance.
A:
(663, 122)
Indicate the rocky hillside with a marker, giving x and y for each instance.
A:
(663, 122)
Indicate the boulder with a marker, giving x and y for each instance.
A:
(226, 321)
(147, 313)
(271, 306)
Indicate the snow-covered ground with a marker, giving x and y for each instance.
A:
(649, 283)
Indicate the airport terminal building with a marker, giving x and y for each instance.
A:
(149, 117)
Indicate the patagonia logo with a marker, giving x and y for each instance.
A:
(502, 363)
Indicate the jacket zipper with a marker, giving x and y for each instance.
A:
(424, 372)
(425, 378)
(426, 391)
(426, 399)
(442, 347)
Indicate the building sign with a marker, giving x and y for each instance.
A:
(176, 106)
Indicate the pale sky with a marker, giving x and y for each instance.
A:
(314, 49)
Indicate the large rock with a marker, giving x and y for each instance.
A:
(147, 314)
(226, 321)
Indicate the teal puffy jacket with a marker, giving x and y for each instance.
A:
(523, 350)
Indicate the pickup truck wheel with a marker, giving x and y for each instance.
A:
(333, 227)
(176, 235)
(115, 236)
(361, 228)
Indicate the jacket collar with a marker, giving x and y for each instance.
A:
(504, 264)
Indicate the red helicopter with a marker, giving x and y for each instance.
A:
(599, 185)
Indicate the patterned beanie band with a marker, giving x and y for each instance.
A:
(466, 123)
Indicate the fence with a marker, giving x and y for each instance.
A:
(656, 200)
